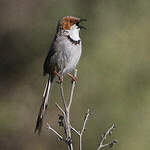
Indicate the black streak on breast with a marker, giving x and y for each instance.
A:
(73, 41)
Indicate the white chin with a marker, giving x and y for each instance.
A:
(74, 33)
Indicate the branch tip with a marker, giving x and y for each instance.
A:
(104, 136)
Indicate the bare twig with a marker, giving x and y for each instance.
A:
(84, 126)
(80, 134)
(50, 128)
(72, 90)
(63, 96)
(85, 121)
(66, 112)
(73, 129)
(64, 121)
(60, 108)
(67, 120)
(104, 136)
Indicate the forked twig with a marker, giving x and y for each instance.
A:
(73, 129)
(84, 127)
(64, 121)
(66, 112)
(104, 136)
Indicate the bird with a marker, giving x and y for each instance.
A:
(62, 58)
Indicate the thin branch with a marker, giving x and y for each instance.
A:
(107, 133)
(85, 121)
(64, 121)
(50, 128)
(105, 145)
(67, 120)
(72, 89)
(63, 96)
(84, 126)
(73, 129)
(60, 108)
(67, 113)
(104, 136)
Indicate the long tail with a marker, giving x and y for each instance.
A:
(44, 105)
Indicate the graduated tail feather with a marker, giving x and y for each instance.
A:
(43, 106)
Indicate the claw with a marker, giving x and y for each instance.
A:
(59, 77)
(61, 80)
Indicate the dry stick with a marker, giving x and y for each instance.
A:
(68, 127)
(53, 130)
(67, 112)
(83, 128)
(72, 90)
(50, 128)
(109, 132)
(77, 132)
(63, 96)
(60, 108)
(80, 134)
(66, 119)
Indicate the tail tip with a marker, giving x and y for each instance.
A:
(38, 127)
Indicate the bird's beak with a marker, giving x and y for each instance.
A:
(83, 20)
(80, 26)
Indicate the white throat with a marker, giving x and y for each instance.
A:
(74, 32)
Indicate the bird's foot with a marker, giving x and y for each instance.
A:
(61, 79)
(72, 77)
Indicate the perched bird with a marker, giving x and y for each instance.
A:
(62, 58)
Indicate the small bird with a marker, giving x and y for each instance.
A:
(62, 58)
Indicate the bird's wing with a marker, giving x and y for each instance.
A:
(48, 66)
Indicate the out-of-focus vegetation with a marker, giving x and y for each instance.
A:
(114, 71)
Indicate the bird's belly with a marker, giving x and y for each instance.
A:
(68, 55)
(72, 58)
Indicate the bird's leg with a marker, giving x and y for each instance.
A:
(72, 77)
(59, 76)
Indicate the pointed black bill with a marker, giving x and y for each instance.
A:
(80, 26)
(83, 20)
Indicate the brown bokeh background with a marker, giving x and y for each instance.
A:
(114, 72)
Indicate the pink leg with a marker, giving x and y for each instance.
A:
(60, 77)
(72, 77)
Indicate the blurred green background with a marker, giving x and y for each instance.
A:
(114, 72)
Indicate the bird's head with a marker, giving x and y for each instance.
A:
(71, 26)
